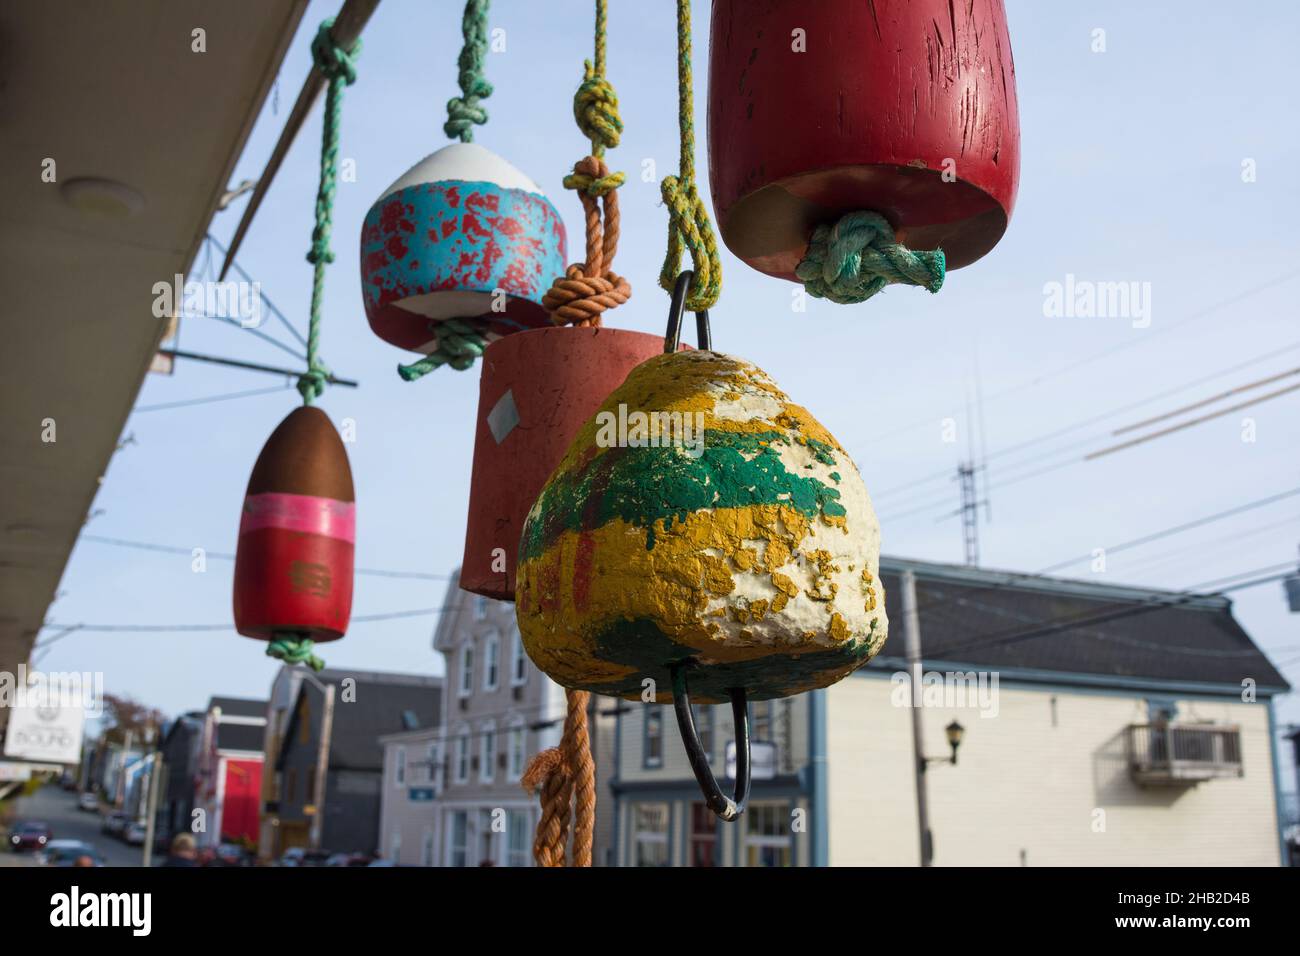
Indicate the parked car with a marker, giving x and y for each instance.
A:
(115, 823)
(88, 801)
(29, 835)
(68, 852)
(231, 854)
(300, 856)
(134, 833)
(349, 859)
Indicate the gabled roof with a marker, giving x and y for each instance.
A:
(1024, 622)
(378, 708)
(239, 706)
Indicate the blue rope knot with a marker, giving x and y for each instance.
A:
(332, 60)
(459, 344)
(293, 648)
(858, 256)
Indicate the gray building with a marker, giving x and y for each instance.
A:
(324, 785)
(499, 711)
(412, 781)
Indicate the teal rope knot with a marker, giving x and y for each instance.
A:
(858, 256)
(294, 649)
(464, 111)
(459, 344)
(595, 109)
(311, 383)
(332, 60)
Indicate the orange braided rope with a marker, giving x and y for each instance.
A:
(587, 289)
(566, 776)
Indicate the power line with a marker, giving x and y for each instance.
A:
(210, 399)
(1193, 317)
(229, 626)
(1176, 529)
(225, 556)
(1195, 421)
(1208, 401)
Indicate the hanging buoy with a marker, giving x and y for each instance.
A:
(293, 565)
(899, 113)
(704, 533)
(537, 389)
(463, 240)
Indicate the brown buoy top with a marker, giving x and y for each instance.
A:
(304, 456)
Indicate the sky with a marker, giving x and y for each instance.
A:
(1131, 170)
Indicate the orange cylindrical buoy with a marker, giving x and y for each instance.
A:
(537, 389)
(294, 562)
(906, 108)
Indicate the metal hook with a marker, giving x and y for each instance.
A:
(703, 338)
(726, 808)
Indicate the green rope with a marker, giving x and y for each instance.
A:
(459, 344)
(595, 105)
(465, 110)
(688, 222)
(858, 256)
(293, 648)
(338, 66)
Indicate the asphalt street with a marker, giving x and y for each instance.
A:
(58, 808)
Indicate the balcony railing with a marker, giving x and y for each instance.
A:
(1177, 754)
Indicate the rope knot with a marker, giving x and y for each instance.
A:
(854, 259)
(294, 649)
(689, 225)
(320, 251)
(588, 289)
(311, 383)
(595, 108)
(464, 111)
(459, 344)
(566, 778)
(333, 61)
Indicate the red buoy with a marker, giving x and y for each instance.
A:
(906, 108)
(537, 389)
(293, 566)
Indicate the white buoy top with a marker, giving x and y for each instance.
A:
(468, 162)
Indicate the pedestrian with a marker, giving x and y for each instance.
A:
(182, 852)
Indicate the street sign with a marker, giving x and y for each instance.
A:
(762, 760)
(45, 731)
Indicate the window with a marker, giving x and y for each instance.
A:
(517, 838)
(399, 767)
(760, 721)
(426, 848)
(652, 748)
(466, 685)
(650, 834)
(491, 659)
(457, 845)
(435, 765)
(518, 660)
(516, 750)
(480, 607)
(767, 835)
(486, 856)
(703, 716)
(462, 756)
(704, 836)
(488, 753)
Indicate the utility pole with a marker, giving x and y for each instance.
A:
(970, 531)
(912, 637)
(155, 785)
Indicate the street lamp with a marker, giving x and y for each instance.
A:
(954, 732)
